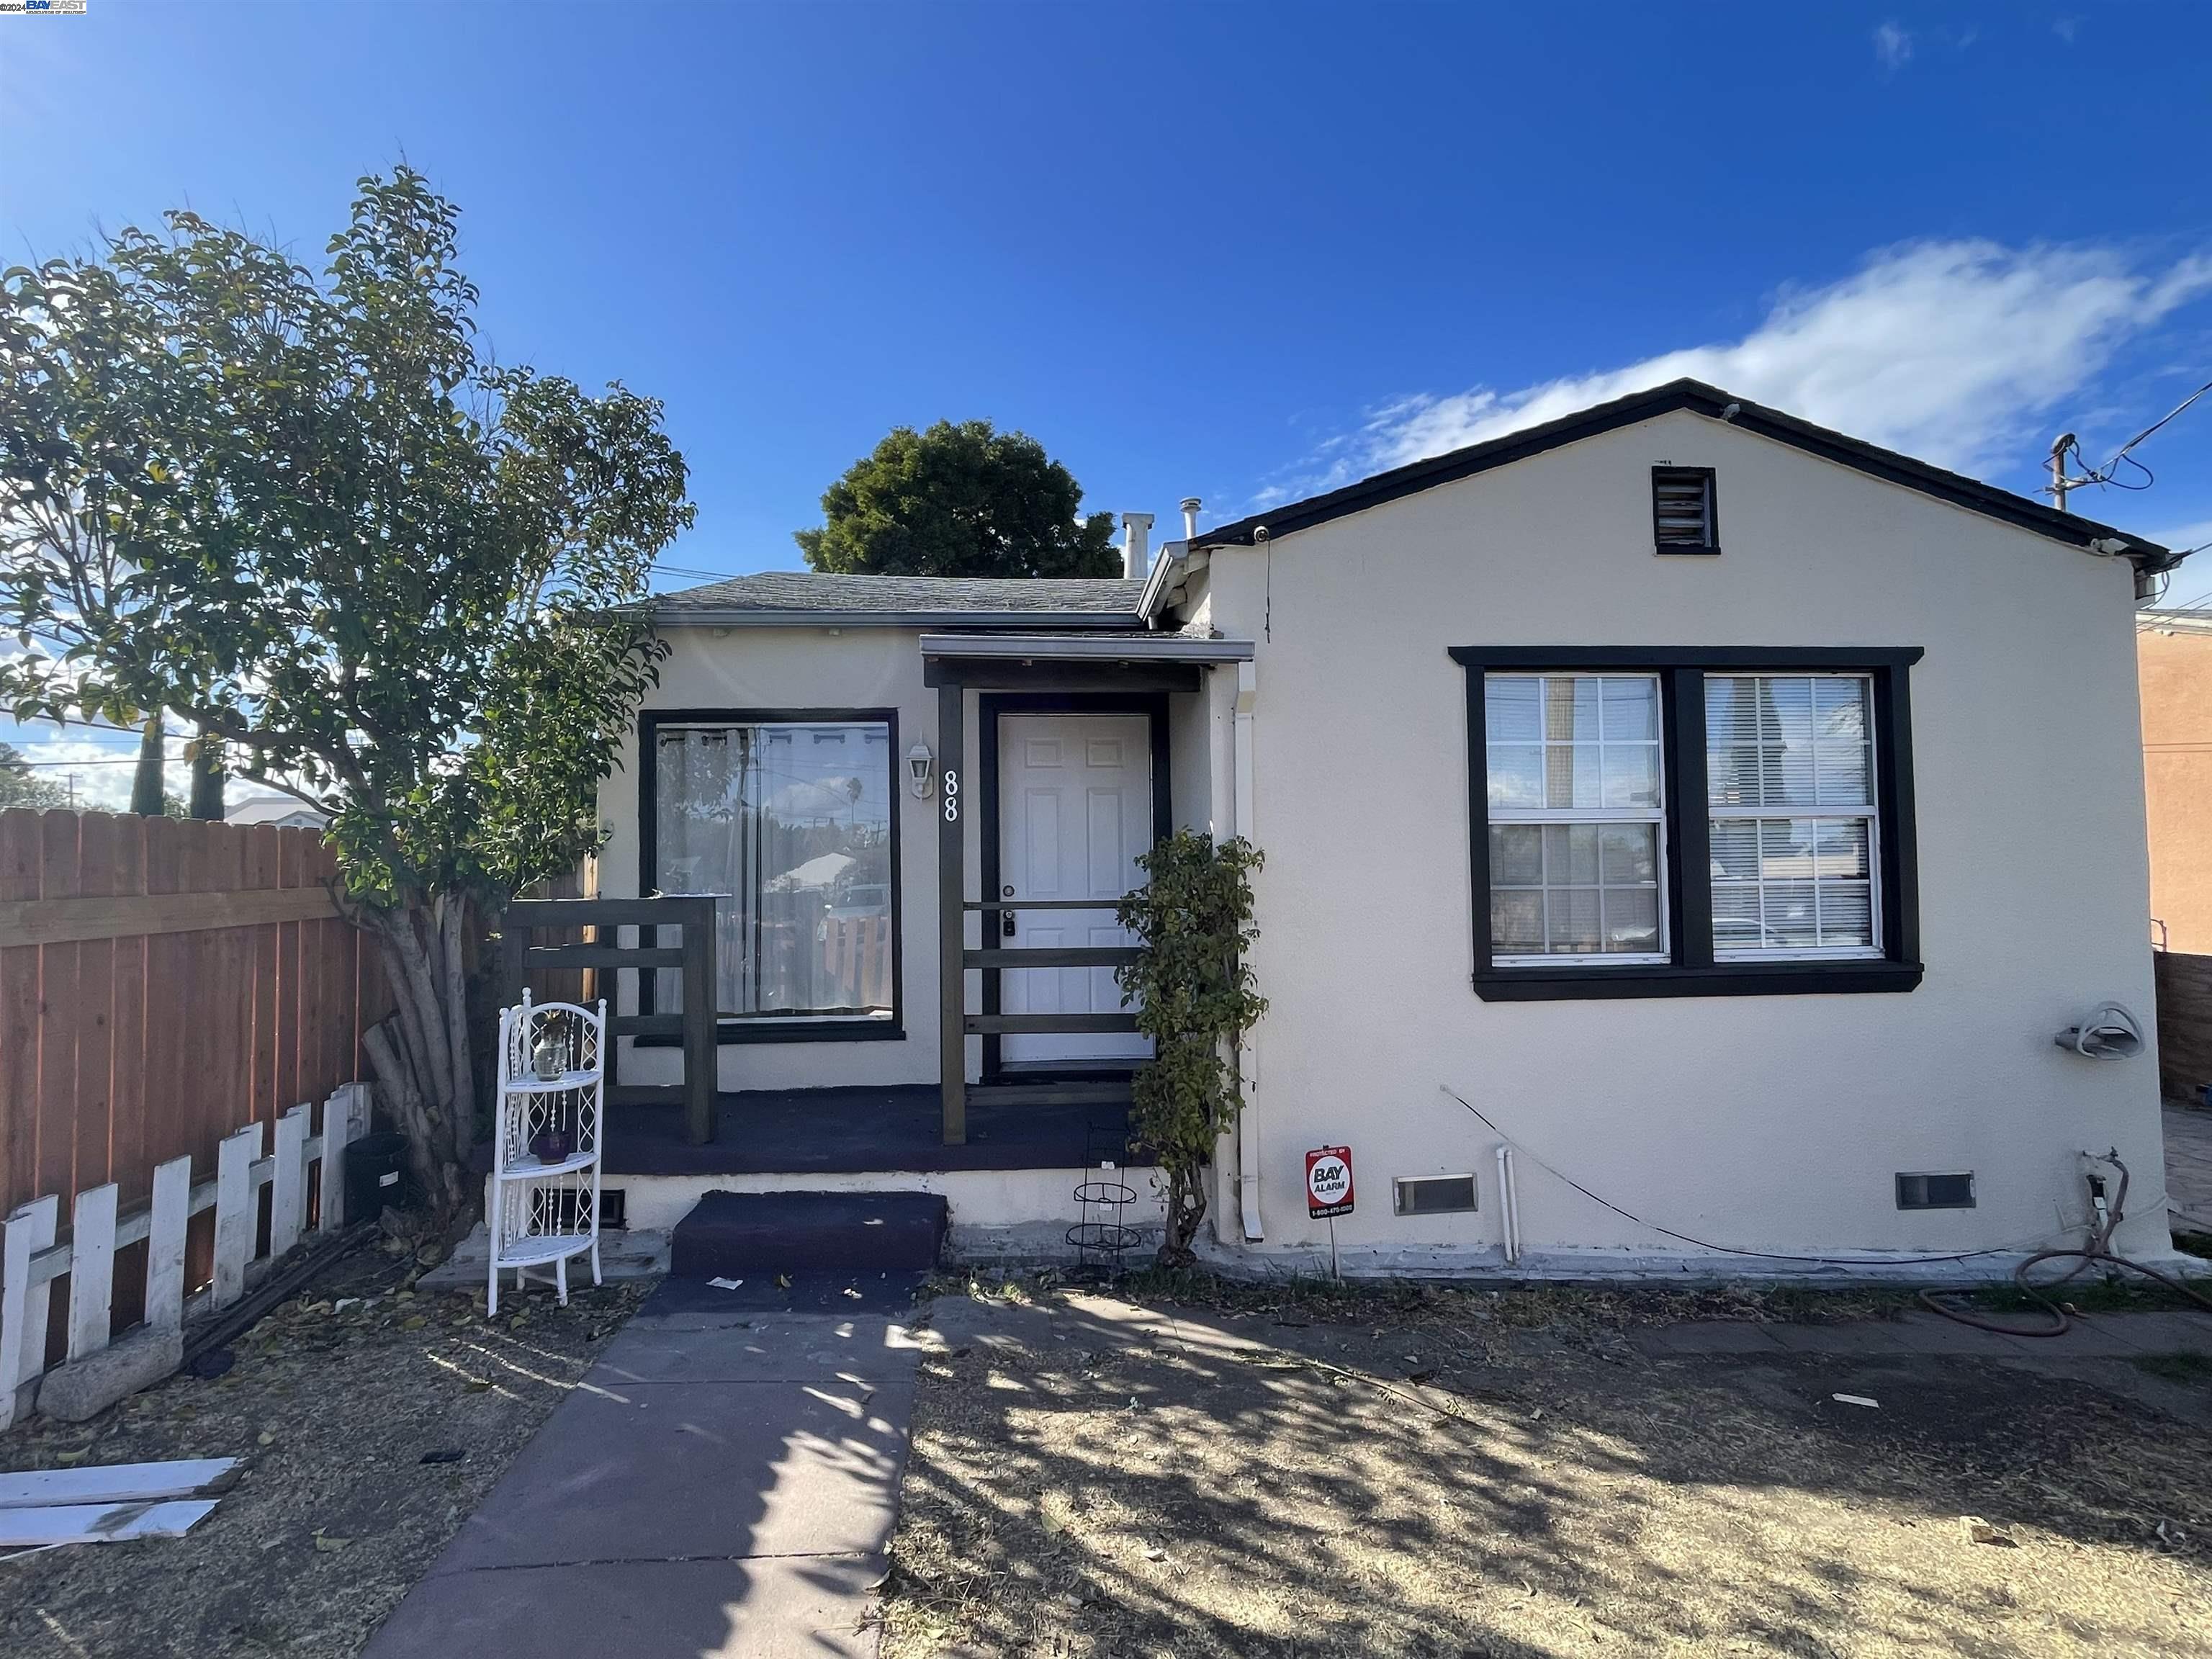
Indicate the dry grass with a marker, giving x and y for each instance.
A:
(337, 1516)
(1428, 1482)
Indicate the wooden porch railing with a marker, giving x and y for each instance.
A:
(520, 956)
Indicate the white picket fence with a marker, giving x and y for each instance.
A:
(30, 1260)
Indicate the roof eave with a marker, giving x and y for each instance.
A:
(1046, 620)
(1145, 647)
(1714, 403)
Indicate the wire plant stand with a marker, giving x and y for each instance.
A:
(546, 1144)
(1101, 1237)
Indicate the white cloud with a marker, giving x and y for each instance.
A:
(101, 771)
(1951, 351)
(1893, 46)
(102, 766)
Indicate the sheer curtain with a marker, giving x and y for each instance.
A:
(789, 826)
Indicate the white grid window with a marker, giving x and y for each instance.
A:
(1577, 817)
(1791, 786)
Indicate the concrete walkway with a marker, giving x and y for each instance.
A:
(2189, 1167)
(722, 1482)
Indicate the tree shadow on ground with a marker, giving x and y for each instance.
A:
(1100, 1479)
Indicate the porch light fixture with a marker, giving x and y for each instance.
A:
(917, 767)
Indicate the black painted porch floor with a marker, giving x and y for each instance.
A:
(852, 1131)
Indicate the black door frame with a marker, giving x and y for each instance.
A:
(989, 705)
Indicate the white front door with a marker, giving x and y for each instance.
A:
(1075, 811)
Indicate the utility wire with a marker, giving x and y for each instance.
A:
(2106, 474)
(1730, 1249)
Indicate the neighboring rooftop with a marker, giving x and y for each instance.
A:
(2173, 622)
(804, 598)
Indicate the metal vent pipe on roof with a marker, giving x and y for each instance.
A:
(1136, 545)
(1190, 506)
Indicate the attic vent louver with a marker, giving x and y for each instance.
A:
(1683, 516)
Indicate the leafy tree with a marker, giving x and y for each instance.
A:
(959, 501)
(1195, 996)
(382, 573)
(21, 786)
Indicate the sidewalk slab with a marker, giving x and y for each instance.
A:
(669, 1471)
(1924, 1332)
(724, 1482)
(773, 1347)
(1871, 1338)
(809, 1608)
(1724, 1336)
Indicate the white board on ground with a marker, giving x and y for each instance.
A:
(111, 1483)
(100, 1523)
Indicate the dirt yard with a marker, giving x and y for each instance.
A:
(335, 1411)
(1459, 1473)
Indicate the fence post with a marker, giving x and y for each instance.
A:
(287, 1200)
(92, 1269)
(235, 1212)
(165, 1244)
(23, 1305)
(340, 1125)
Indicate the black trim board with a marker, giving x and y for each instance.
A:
(829, 1028)
(1694, 971)
(988, 707)
(1714, 403)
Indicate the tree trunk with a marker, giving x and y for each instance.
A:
(206, 801)
(1185, 1214)
(146, 799)
(422, 1053)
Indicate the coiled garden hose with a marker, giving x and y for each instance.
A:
(2096, 1251)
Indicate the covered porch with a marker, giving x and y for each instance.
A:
(1031, 1029)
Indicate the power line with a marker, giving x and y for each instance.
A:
(2107, 474)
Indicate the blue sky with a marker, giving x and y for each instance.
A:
(1239, 252)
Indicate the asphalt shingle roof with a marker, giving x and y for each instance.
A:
(810, 591)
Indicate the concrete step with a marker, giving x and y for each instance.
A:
(732, 1235)
(624, 1252)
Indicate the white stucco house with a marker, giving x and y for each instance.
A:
(1716, 812)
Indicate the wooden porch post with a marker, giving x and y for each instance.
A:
(701, 1032)
(952, 913)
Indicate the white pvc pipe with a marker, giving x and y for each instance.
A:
(1509, 1206)
(1248, 1054)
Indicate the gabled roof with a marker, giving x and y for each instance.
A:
(1716, 405)
(798, 599)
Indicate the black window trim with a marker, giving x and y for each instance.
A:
(1712, 544)
(1693, 972)
(732, 1030)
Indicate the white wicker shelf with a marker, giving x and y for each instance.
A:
(545, 1247)
(531, 1085)
(541, 1213)
(533, 1169)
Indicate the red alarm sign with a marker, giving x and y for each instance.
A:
(1328, 1181)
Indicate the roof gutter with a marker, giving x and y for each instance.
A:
(1143, 647)
(1033, 621)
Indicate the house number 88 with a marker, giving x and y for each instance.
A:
(952, 797)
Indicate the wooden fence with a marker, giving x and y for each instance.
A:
(49, 1284)
(162, 984)
(2184, 1023)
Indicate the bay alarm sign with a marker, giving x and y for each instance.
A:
(1328, 1182)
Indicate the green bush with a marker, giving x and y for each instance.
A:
(1194, 997)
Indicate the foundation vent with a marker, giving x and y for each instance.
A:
(1935, 1192)
(1432, 1194)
